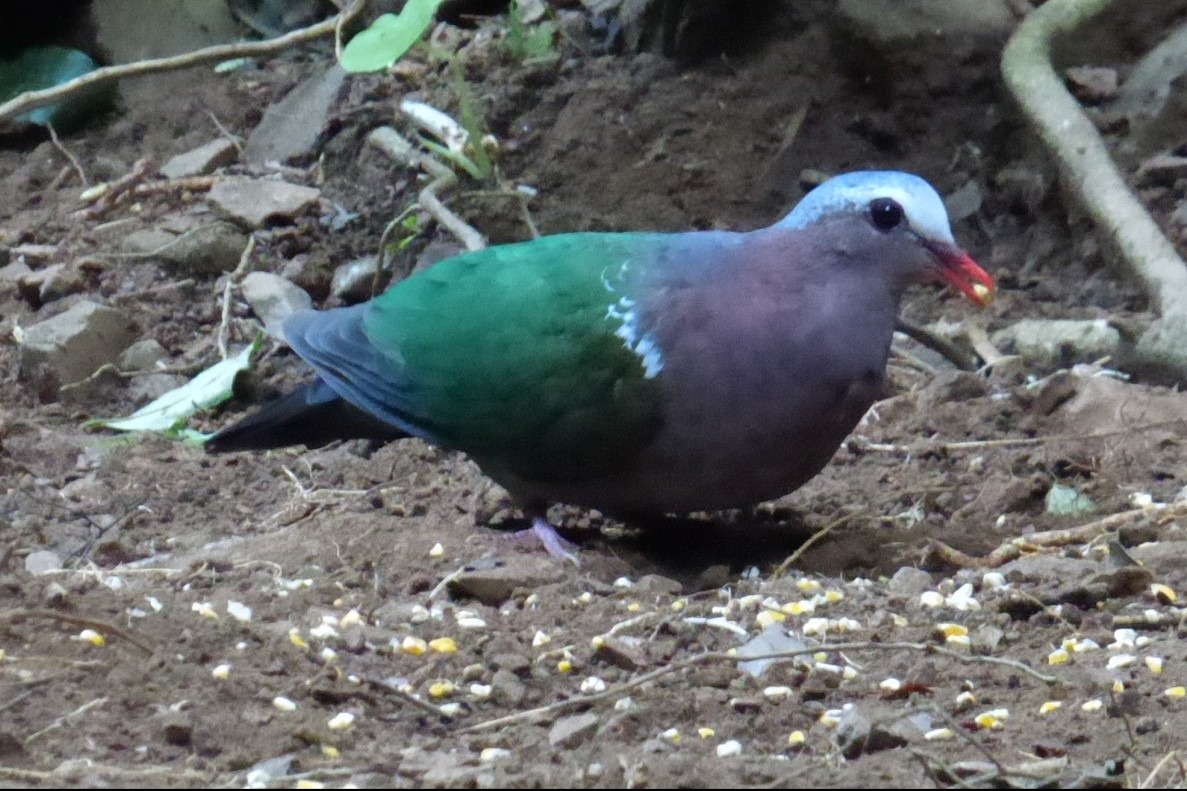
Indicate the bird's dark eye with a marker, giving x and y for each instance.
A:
(885, 214)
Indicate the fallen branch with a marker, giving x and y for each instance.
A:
(1092, 179)
(31, 100)
(399, 148)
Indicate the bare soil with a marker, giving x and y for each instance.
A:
(333, 550)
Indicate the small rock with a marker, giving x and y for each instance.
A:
(202, 250)
(853, 732)
(1065, 500)
(256, 203)
(655, 584)
(965, 202)
(310, 273)
(353, 281)
(42, 562)
(69, 347)
(51, 283)
(202, 160)
(511, 662)
(273, 299)
(87, 490)
(570, 732)
(1063, 341)
(507, 689)
(1092, 83)
(150, 387)
(292, 128)
(496, 585)
(15, 271)
(909, 583)
(986, 638)
(621, 652)
(143, 355)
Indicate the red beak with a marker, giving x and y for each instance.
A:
(958, 269)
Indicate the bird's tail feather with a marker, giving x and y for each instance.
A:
(312, 415)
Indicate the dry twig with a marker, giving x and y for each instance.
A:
(103, 627)
(31, 100)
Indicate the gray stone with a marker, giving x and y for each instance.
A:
(496, 585)
(856, 735)
(292, 128)
(143, 355)
(273, 299)
(569, 732)
(909, 582)
(1060, 340)
(202, 160)
(624, 652)
(853, 731)
(256, 203)
(57, 281)
(211, 248)
(1092, 83)
(150, 387)
(69, 347)
(15, 271)
(965, 202)
(353, 281)
(42, 562)
(507, 689)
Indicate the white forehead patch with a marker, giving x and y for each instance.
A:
(852, 192)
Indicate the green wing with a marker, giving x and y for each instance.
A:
(510, 354)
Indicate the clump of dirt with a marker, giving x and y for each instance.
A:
(349, 614)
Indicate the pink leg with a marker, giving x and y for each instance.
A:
(556, 546)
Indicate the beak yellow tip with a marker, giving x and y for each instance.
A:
(983, 292)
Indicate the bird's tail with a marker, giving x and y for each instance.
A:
(312, 415)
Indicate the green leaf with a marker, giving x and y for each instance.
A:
(1064, 500)
(168, 413)
(389, 37)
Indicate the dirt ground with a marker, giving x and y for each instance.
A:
(617, 673)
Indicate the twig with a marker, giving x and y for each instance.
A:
(248, 49)
(65, 718)
(1150, 780)
(76, 620)
(409, 698)
(108, 194)
(804, 547)
(722, 656)
(941, 346)
(983, 346)
(224, 326)
(399, 148)
(82, 176)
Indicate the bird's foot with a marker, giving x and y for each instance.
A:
(543, 531)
